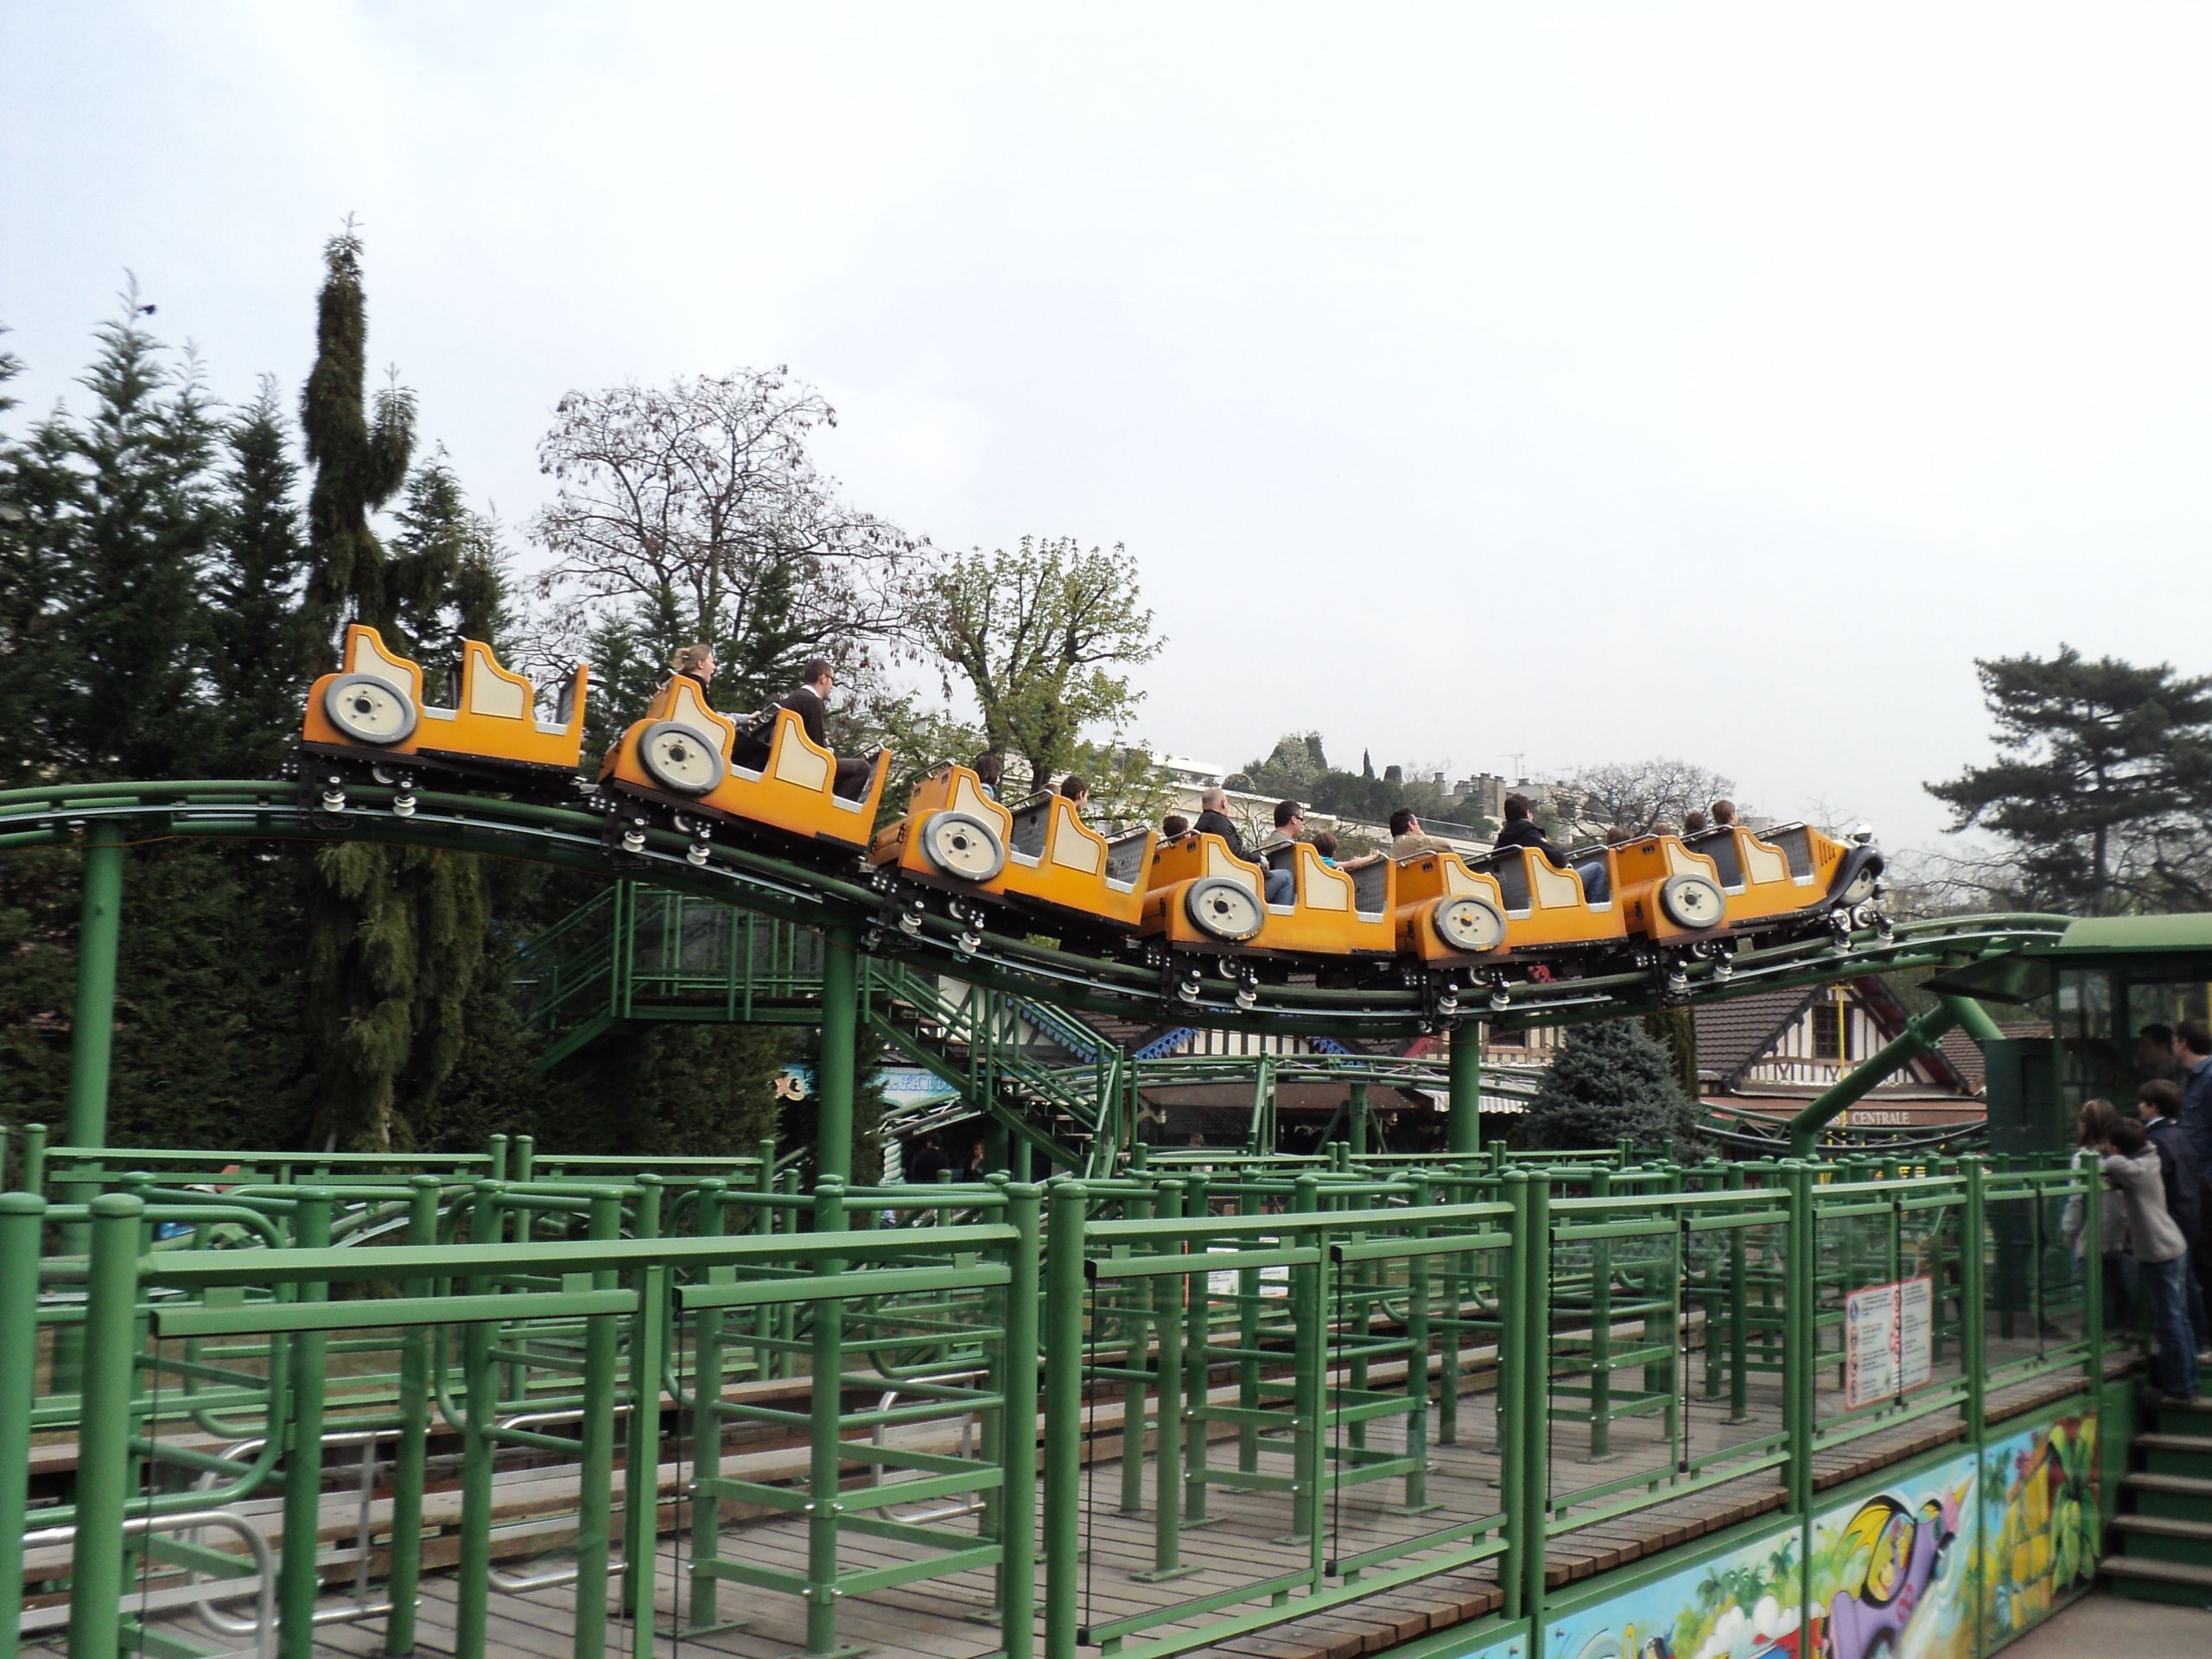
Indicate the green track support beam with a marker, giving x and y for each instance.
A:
(103, 1471)
(1920, 1037)
(22, 1216)
(297, 1581)
(841, 979)
(1463, 1127)
(91, 1038)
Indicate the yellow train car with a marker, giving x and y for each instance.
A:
(1449, 916)
(373, 707)
(1039, 856)
(1793, 873)
(1200, 896)
(1547, 912)
(1671, 895)
(678, 758)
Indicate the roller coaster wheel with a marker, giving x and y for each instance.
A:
(1693, 901)
(963, 846)
(1469, 924)
(370, 710)
(678, 758)
(1225, 909)
(1862, 887)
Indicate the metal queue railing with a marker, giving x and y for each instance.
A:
(1266, 1390)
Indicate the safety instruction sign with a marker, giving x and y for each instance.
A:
(1889, 1340)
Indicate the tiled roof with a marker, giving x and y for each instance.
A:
(1730, 1035)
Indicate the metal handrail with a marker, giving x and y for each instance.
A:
(364, 1533)
(261, 1627)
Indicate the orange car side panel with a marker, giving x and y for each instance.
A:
(1641, 868)
(496, 721)
(1175, 865)
(793, 792)
(1555, 913)
(1423, 880)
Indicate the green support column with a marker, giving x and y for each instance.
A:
(1919, 1036)
(104, 1479)
(91, 1041)
(834, 1085)
(409, 1455)
(826, 1398)
(1356, 1109)
(22, 1216)
(1800, 1335)
(707, 1421)
(1463, 1127)
(480, 1410)
(1063, 1309)
(595, 1472)
(1018, 1501)
(1522, 1530)
(1532, 1426)
(297, 1581)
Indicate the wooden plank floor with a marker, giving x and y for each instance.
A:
(1245, 1543)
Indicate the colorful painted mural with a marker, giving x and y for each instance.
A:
(1742, 1606)
(1889, 1574)
(2041, 1525)
(1511, 1647)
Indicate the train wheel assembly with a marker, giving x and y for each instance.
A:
(678, 758)
(1693, 901)
(1468, 923)
(1225, 909)
(962, 846)
(370, 710)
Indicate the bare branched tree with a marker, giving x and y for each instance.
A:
(697, 508)
(1642, 793)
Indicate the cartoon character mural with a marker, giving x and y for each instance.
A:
(1889, 1573)
(2041, 1521)
(1744, 1604)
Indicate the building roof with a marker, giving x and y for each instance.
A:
(1732, 1034)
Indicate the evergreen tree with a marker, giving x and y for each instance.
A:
(263, 651)
(359, 463)
(134, 537)
(1611, 1081)
(2101, 791)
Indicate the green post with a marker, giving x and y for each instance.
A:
(1601, 1330)
(1534, 1425)
(1063, 1448)
(2093, 1280)
(1309, 1291)
(1018, 1435)
(91, 1035)
(1133, 1302)
(1199, 1313)
(1523, 1531)
(707, 1424)
(1464, 1126)
(1799, 1400)
(22, 1216)
(1167, 1293)
(641, 1484)
(34, 1159)
(833, 1156)
(826, 1397)
(473, 1574)
(1357, 1107)
(1247, 1347)
(409, 1454)
(297, 1581)
(104, 1480)
(1973, 1277)
(1739, 1358)
(1417, 1347)
(596, 1465)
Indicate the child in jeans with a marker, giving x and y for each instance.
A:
(2131, 1164)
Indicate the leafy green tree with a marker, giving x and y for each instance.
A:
(1037, 635)
(2100, 795)
(1611, 1081)
(262, 648)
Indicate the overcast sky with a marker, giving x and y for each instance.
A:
(1574, 384)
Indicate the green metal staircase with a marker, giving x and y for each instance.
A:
(2161, 1540)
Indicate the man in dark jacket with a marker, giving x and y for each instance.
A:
(811, 702)
(1214, 820)
(2159, 1101)
(1521, 830)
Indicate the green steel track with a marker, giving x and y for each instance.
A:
(571, 838)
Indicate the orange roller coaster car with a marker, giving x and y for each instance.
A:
(1670, 894)
(1201, 897)
(1039, 856)
(374, 707)
(1547, 912)
(1449, 916)
(678, 758)
(1792, 874)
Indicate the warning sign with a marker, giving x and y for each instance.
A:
(1889, 1334)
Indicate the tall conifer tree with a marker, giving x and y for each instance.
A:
(262, 648)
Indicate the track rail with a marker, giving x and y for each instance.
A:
(571, 838)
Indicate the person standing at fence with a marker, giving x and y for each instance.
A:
(2118, 1267)
(2131, 1164)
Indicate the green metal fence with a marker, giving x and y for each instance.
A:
(1256, 1393)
